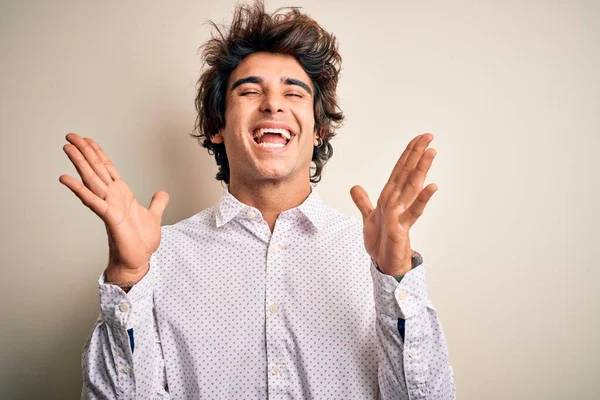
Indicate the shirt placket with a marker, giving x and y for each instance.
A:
(414, 363)
(277, 359)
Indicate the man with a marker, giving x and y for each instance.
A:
(270, 293)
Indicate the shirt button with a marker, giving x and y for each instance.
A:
(251, 214)
(412, 353)
(402, 295)
(124, 307)
(274, 248)
(273, 308)
(275, 370)
(127, 369)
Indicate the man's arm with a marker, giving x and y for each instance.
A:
(122, 358)
(413, 352)
(414, 366)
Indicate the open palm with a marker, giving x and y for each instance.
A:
(401, 203)
(133, 231)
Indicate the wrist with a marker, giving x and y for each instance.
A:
(414, 261)
(118, 274)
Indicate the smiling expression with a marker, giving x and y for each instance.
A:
(269, 120)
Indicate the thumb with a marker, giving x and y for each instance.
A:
(361, 199)
(159, 203)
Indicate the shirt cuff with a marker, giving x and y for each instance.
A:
(404, 299)
(128, 310)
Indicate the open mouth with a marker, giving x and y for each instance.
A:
(272, 137)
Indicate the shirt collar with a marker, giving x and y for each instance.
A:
(313, 209)
(229, 207)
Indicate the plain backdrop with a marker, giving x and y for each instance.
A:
(510, 89)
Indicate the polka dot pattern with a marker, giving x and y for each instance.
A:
(230, 310)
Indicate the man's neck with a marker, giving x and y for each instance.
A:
(271, 198)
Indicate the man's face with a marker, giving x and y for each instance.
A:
(269, 120)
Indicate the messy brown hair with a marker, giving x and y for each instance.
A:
(286, 31)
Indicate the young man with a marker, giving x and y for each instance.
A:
(270, 293)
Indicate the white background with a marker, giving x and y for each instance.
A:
(509, 89)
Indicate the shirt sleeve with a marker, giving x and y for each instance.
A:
(413, 352)
(122, 358)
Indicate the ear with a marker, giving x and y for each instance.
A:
(316, 136)
(217, 138)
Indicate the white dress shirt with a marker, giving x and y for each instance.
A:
(230, 310)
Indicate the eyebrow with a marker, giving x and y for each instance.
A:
(292, 81)
(248, 79)
(284, 80)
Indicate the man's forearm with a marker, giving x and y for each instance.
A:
(413, 358)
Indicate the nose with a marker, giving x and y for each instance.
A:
(272, 103)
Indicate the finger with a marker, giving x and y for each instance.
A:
(88, 176)
(159, 203)
(87, 197)
(361, 199)
(408, 218)
(402, 160)
(391, 192)
(413, 158)
(416, 180)
(91, 157)
(110, 167)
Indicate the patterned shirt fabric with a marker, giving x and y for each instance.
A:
(230, 310)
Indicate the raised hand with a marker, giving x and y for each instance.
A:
(401, 203)
(133, 231)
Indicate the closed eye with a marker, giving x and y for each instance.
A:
(248, 92)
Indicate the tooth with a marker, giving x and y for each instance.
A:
(283, 132)
(274, 145)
